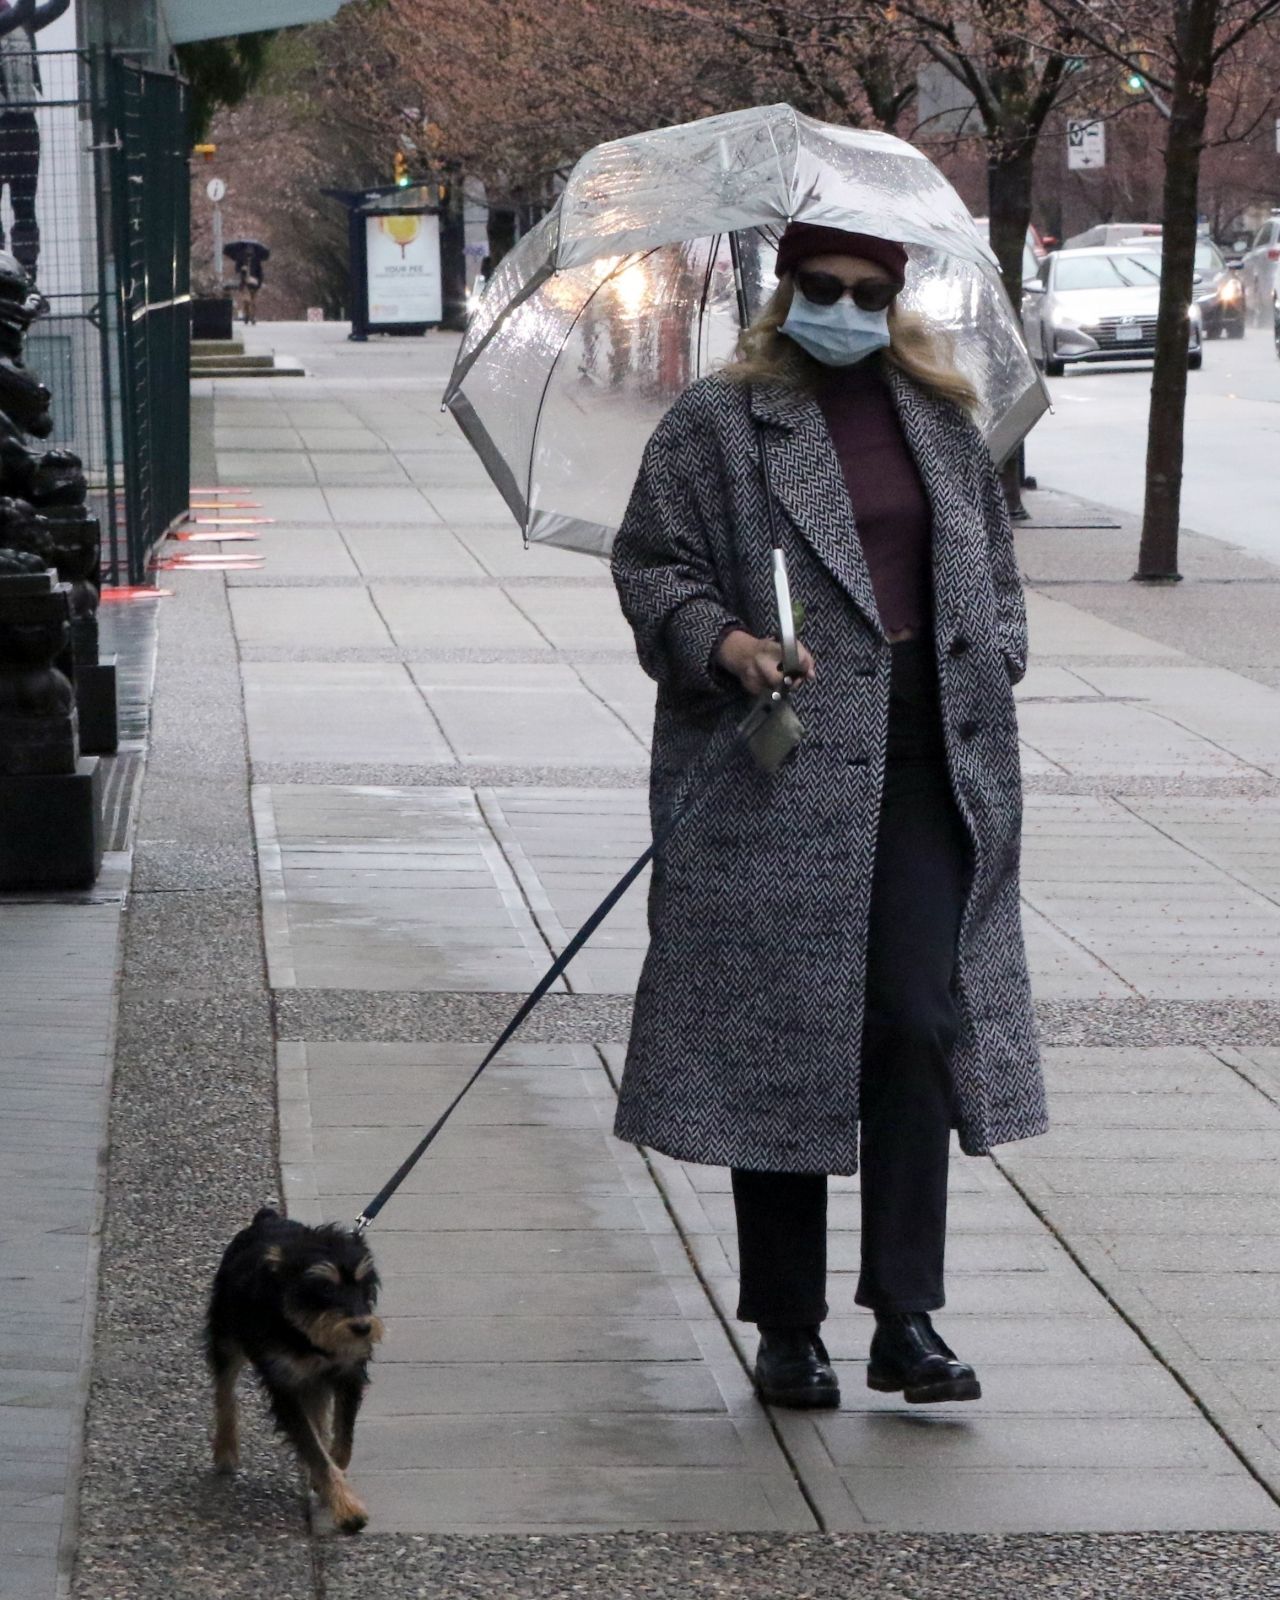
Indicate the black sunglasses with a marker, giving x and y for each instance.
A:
(824, 289)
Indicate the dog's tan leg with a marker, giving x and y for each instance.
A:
(347, 1395)
(226, 1430)
(295, 1421)
(318, 1403)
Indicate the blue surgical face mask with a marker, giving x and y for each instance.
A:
(837, 335)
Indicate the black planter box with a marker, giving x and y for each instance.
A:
(51, 828)
(211, 316)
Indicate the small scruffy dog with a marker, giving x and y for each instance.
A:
(297, 1303)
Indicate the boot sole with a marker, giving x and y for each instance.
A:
(927, 1394)
(801, 1399)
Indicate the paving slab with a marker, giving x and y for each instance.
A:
(284, 616)
(429, 617)
(577, 1346)
(539, 713)
(1059, 628)
(381, 505)
(357, 712)
(312, 551)
(409, 551)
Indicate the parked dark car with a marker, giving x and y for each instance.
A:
(1219, 292)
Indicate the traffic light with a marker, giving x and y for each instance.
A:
(1135, 77)
(401, 170)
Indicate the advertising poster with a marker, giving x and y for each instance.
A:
(403, 269)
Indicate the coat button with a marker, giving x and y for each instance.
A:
(856, 761)
(969, 729)
(959, 645)
(864, 669)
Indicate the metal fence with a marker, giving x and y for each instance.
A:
(94, 196)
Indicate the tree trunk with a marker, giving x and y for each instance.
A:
(1009, 178)
(1195, 26)
(1010, 160)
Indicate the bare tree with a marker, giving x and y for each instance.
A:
(1017, 61)
(1176, 49)
(862, 76)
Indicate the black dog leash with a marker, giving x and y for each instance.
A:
(746, 729)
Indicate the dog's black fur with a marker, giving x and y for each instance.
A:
(297, 1303)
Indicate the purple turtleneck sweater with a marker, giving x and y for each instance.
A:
(890, 507)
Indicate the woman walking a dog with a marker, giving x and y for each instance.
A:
(836, 975)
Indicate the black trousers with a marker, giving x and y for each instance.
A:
(917, 898)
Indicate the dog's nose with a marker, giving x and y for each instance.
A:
(362, 1329)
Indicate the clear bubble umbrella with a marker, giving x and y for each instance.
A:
(639, 280)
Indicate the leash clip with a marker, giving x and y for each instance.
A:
(360, 1226)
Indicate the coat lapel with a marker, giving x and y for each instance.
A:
(809, 487)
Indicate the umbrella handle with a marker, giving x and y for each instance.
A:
(781, 583)
(786, 617)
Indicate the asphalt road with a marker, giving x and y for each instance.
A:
(1095, 442)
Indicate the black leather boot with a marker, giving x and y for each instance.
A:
(908, 1355)
(793, 1369)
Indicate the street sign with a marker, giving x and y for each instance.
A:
(1086, 145)
(216, 189)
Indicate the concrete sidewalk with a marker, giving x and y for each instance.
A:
(444, 739)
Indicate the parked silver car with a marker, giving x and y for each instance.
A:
(1258, 269)
(1115, 233)
(1097, 305)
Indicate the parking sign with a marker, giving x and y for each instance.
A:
(1086, 145)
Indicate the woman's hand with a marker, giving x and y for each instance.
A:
(757, 663)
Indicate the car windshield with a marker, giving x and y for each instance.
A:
(1107, 272)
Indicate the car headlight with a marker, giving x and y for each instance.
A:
(1230, 291)
(1068, 324)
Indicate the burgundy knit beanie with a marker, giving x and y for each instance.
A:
(800, 240)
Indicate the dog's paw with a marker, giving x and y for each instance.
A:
(352, 1518)
(226, 1463)
(349, 1514)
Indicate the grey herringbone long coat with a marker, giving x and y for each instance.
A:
(748, 1020)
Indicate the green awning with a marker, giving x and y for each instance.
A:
(200, 19)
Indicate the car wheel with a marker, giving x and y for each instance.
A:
(1054, 369)
(1195, 361)
(1235, 330)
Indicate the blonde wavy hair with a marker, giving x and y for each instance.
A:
(916, 347)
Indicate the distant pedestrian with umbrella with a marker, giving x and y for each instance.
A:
(248, 256)
(836, 975)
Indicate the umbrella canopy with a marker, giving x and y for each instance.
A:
(246, 247)
(638, 280)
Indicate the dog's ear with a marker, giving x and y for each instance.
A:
(272, 1256)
